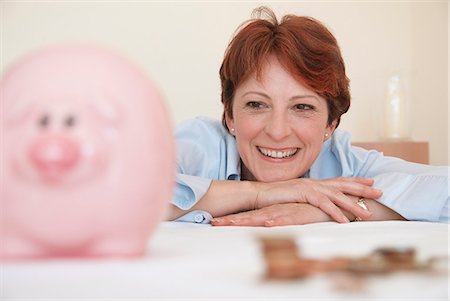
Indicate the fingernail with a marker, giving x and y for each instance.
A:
(269, 222)
(345, 220)
(218, 221)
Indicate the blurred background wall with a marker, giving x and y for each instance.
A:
(181, 44)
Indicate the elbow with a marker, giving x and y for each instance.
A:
(173, 212)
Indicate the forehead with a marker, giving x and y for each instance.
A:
(275, 82)
(274, 76)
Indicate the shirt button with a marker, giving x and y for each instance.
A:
(198, 218)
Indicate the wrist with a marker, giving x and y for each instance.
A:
(253, 189)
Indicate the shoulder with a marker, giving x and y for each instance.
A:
(203, 138)
(341, 145)
(201, 127)
(205, 148)
(339, 158)
(359, 162)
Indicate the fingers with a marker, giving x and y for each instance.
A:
(327, 195)
(258, 217)
(275, 215)
(355, 186)
(326, 204)
(293, 214)
(345, 202)
(285, 220)
(249, 218)
(360, 187)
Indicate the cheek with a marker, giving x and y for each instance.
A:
(311, 133)
(243, 137)
(247, 128)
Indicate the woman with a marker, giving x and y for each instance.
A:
(277, 158)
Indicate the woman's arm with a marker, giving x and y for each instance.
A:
(416, 191)
(299, 214)
(227, 197)
(222, 197)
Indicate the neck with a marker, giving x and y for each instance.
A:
(246, 175)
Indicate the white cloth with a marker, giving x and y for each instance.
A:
(188, 261)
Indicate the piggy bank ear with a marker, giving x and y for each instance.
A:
(105, 112)
(16, 113)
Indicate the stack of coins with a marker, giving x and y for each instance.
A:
(284, 261)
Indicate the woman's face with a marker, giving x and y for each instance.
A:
(279, 125)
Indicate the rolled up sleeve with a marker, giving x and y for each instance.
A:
(415, 197)
(415, 191)
(188, 190)
(205, 152)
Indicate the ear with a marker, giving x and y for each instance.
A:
(330, 130)
(230, 123)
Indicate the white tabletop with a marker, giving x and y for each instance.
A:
(189, 261)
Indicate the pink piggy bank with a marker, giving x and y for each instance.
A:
(87, 156)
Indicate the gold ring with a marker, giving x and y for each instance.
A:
(361, 203)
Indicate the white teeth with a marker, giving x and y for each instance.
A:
(278, 154)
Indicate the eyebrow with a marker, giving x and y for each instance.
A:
(290, 99)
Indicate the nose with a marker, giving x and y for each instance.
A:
(54, 156)
(278, 126)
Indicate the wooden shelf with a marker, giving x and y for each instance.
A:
(412, 151)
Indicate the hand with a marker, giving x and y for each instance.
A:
(275, 215)
(326, 195)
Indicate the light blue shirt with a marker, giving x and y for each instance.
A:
(206, 152)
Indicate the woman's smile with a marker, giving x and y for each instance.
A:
(278, 154)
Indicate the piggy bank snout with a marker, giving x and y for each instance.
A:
(53, 156)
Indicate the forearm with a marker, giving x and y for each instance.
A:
(311, 214)
(299, 214)
(223, 197)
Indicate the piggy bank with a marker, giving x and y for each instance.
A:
(87, 155)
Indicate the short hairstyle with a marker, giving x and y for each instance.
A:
(303, 45)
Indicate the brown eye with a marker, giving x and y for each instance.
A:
(255, 105)
(303, 107)
(44, 121)
(70, 121)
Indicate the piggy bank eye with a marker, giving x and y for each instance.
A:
(69, 121)
(44, 121)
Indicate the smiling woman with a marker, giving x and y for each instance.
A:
(277, 157)
(281, 125)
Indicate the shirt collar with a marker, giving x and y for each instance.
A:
(233, 159)
(317, 165)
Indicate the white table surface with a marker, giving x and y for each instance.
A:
(189, 261)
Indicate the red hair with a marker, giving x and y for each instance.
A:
(303, 45)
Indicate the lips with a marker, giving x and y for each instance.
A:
(278, 154)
